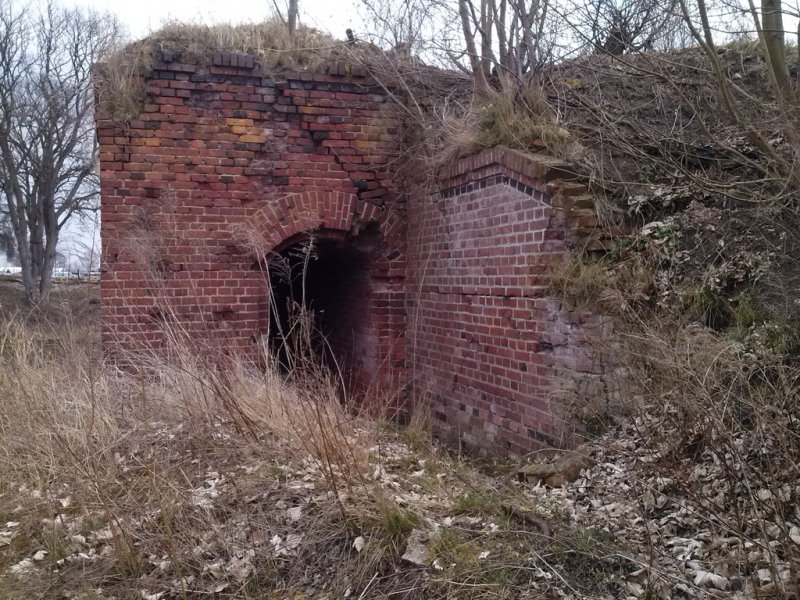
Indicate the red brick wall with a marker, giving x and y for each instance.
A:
(224, 166)
(501, 360)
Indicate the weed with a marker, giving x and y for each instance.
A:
(708, 307)
(580, 282)
(476, 502)
(518, 116)
(394, 524)
(645, 173)
(451, 549)
(745, 313)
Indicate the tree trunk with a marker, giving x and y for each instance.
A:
(292, 17)
(51, 232)
(25, 263)
(772, 25)
(481, 85)
(763, 43)
(46, 276)
(486, 37)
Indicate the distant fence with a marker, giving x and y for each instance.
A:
(58, 274)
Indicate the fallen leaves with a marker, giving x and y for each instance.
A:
(251, 514)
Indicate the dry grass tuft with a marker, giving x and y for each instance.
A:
(121, 79)
(517, 116)
(270, 41)
(600, 285)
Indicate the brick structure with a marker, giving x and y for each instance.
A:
(502, 361)
(226, 167)
(433, 290)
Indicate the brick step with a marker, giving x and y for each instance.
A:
(566, 188)
(582, 201)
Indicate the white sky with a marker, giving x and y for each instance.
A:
(143, 16)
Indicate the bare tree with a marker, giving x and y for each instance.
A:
(515, 37)
(47, 140)
(506, 39)
(406, 27)
(619, 26)
(501, 42)
(292, 14)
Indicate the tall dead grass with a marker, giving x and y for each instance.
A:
(57, 393)
(138, 453)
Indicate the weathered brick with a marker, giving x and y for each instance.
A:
(451, 287)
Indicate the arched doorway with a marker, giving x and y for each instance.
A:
(333, 306)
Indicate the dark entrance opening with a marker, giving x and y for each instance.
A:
(322, 306)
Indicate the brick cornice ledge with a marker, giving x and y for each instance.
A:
(530, 168)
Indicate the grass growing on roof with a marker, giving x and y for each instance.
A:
(121, 78)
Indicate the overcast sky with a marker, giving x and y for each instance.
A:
(142, 16)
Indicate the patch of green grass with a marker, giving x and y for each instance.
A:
(745, 313)
(645, 173)
(478, 502)
(705, 305)
(784, 339)
(476, 565)
(419, 440)
(624, 246)
(393, 524)
(451, 548)
(592, 558)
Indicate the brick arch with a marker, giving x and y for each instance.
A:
(373, 346)
(289, 216)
